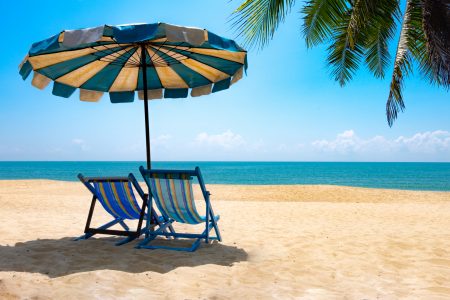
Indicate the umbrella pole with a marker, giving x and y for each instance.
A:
(147, 126)
(147, 135)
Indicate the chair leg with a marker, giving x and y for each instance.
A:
(171, 230)
(153, 234)
(160, 223)
(216, 227)
(145, 243)
(104, 226)
(83, 237)
(170, 227)
(207, 229)
(89, 218)
(125, 226)
(147, 225)
(195, 245)
(151, 216)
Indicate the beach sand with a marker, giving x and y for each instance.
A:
(312, 242)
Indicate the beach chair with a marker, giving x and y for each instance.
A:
(117, 197)
(173, 195)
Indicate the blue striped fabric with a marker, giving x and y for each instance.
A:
(118, 199)
(175, 200)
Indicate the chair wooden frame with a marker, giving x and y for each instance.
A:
(104, 229)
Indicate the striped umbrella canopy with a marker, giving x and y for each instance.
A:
(157, 60)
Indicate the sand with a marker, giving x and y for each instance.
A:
(284, 242)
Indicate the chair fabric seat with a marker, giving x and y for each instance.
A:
(171, 191)
(117, 196)
(175, 200)
(118, 199)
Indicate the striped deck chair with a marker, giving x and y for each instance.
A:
(117, 197)
(172, 193)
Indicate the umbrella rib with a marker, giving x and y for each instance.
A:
(171, 58)
(131, 61)
(154, 53)
(123, 60)
(138, 54)
(58, 51)
(205, 63)
(174, 55)
(106, 48)
(115, 57)
(189, 51)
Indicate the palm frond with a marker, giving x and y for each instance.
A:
(343, 54)
(359, 29)
(378, 29)
(361, 13)
(377, 54)
(436, 27)
(402, 64)
(417, 43)
(257, 20)
(320, 18)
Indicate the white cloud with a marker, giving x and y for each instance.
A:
(426, 142)
(348, 142)
(344, 142)
(226, 140)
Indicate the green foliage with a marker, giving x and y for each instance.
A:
(359, 31)
(379, 29)
(257, 20)
(344, 52)
(436, 39)
(407, 48)
(321, 16)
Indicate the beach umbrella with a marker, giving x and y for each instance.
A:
(157, 60)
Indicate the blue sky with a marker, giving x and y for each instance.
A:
(286, 109)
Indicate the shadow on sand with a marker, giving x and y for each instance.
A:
(60, 257)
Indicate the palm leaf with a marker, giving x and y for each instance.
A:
(436, 26)
(342, 58)
(403, 62)
(346, 49)
(320, 18)
(360, 15)
(378, 29)
(257, 20)
(417, 43)
(362, 29)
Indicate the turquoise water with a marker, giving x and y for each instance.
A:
(411, 176)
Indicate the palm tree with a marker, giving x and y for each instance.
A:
(360, 30)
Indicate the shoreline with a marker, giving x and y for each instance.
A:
(283, 192)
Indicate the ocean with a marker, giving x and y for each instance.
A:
(408, 176)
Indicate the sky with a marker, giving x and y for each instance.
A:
(287, 108)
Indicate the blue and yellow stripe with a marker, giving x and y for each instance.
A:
(174, 198)
(118, 199)
(179, 59)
